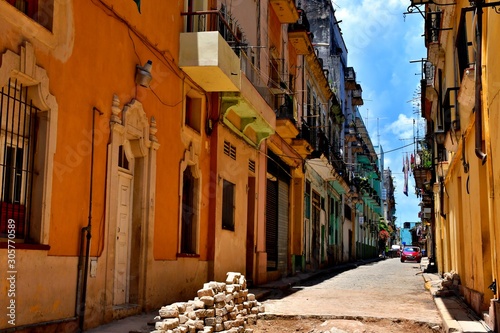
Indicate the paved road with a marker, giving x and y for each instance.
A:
(384, 289)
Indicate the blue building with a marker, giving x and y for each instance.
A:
(409, 233)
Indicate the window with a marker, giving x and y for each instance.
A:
(195, 23)
(189, 219)
(307, 200)
(122, 158)
(464, 43)
(193, 113)
(41, 11)
(17, 150)
(432, 27)
(347, 212)
(228, 202)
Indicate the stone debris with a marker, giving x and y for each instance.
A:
(449, 284)
(225, 307)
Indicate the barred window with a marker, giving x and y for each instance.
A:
(17, 149)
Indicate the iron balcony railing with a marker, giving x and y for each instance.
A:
(432, 27)
(302, 23)
(227, 26)
(215, 20)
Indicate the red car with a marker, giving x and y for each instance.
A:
(411, 253)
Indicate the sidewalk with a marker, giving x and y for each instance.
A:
(456, 316)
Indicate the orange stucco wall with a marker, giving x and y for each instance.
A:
(98, 62)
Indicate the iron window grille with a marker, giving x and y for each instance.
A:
(17, 151)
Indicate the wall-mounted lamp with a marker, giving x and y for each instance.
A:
(143, 74)
(440, 137)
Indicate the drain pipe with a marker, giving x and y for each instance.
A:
(88, 231)
(479, 85)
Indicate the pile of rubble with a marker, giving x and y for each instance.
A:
(449, 284)
(225, 307)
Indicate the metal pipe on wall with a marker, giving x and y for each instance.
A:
(479, 86)
(88, 231)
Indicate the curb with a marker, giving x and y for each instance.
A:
(456, 315)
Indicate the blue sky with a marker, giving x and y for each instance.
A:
(381, 43)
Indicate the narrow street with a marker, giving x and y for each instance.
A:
(385, 296)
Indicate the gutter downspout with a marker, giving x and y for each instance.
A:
(441, 198)
(479, 86)
(88, 231)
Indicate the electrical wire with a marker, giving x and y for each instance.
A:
(164, 56)
(390, 151)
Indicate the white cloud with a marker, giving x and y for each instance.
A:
(402, 128)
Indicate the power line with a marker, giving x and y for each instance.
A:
(389, 151)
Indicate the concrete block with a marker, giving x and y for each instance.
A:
(183, 319)
(220, 297)
(206, 292)
(181, 306)
(232, 277)
(167, 324)
(208, 301)
(169, 312)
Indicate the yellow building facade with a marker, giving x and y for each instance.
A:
(460, 87)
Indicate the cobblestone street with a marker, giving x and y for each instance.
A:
(376, 297)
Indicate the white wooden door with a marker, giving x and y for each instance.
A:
(122, 248)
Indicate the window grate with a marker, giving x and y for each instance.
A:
(251, 166)
(230, 150)
(17, 139)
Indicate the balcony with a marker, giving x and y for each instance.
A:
(422, 169)
(302, 143)
(350, 78)
(285, 120)
(318, 72)
(285, 10)
(356, 95)
(338, 163)
(247, 114)
(206, 53)
(300, 36)
(336, 112)
(422, 178)
(432, 27)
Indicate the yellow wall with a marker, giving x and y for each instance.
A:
(230, 246)
(492, 89)
(40, 283)
(467, 237)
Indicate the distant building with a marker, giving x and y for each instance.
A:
(410, 233)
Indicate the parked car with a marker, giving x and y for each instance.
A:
(411, 253)
(396, 249)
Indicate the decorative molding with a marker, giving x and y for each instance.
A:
(23, 68)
